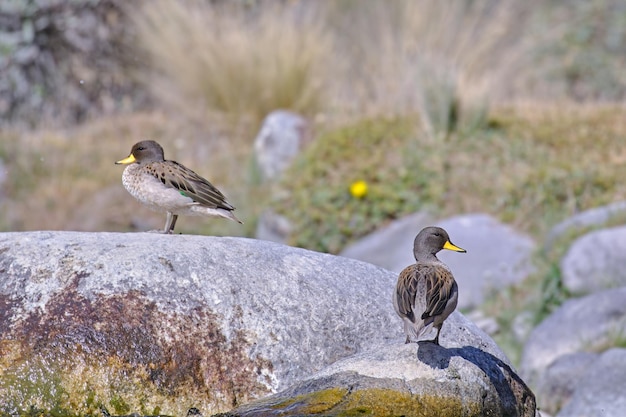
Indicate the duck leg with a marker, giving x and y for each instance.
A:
(170, 222)
(436, 339)
(173, 223)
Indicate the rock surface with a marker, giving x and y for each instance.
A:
(467, 376)
(282, 136)
(600, 391)
(496, 256)
(596, 261)
(579, 325)
(155, 324)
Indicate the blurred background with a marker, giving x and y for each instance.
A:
(514, 109)
(507, 108)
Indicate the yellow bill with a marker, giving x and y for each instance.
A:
(448, 245)
(126, 161)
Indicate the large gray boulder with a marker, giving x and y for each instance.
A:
(584, 324)
(467, 376)
(600, 391)
(497, 255)
(154, 324)
(596, 261)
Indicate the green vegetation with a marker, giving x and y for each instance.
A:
(317, 198)
(529, 168)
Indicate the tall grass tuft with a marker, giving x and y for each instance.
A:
(233, 58)
(446, 60)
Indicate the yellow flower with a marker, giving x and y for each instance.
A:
(358, 189)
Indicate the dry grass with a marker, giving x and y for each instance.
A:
(233, 59)
(446, 60)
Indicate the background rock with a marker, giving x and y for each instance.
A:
(497, 255)
(596, 261)
(390, 247)
(282, 136)
(578, 325)
(273, 227)
(154, 324)
(600, 391)
(596, 216)
(65, 60)
(559, 380)
(469, 376)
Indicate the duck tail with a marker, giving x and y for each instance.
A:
(230, 215)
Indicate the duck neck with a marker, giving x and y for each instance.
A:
(426, 257)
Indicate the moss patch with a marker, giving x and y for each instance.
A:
(385, 402)
(340, 402)
(315, 403)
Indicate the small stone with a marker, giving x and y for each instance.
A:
(497, 255)
(488, 325)
(282, 136)
(273, 227)
(522, 326)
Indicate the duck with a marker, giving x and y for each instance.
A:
(170, 187)
(426, 292)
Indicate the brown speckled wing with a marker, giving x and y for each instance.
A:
(406, 290)
(439, 283)
(190, 184)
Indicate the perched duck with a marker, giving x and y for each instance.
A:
(426, 292)
(167, 186)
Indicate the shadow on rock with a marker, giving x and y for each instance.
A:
(514, 394)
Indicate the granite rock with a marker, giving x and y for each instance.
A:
(467, 376)
(165, 322)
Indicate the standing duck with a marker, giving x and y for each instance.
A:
(426, 292)
(167, 186)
